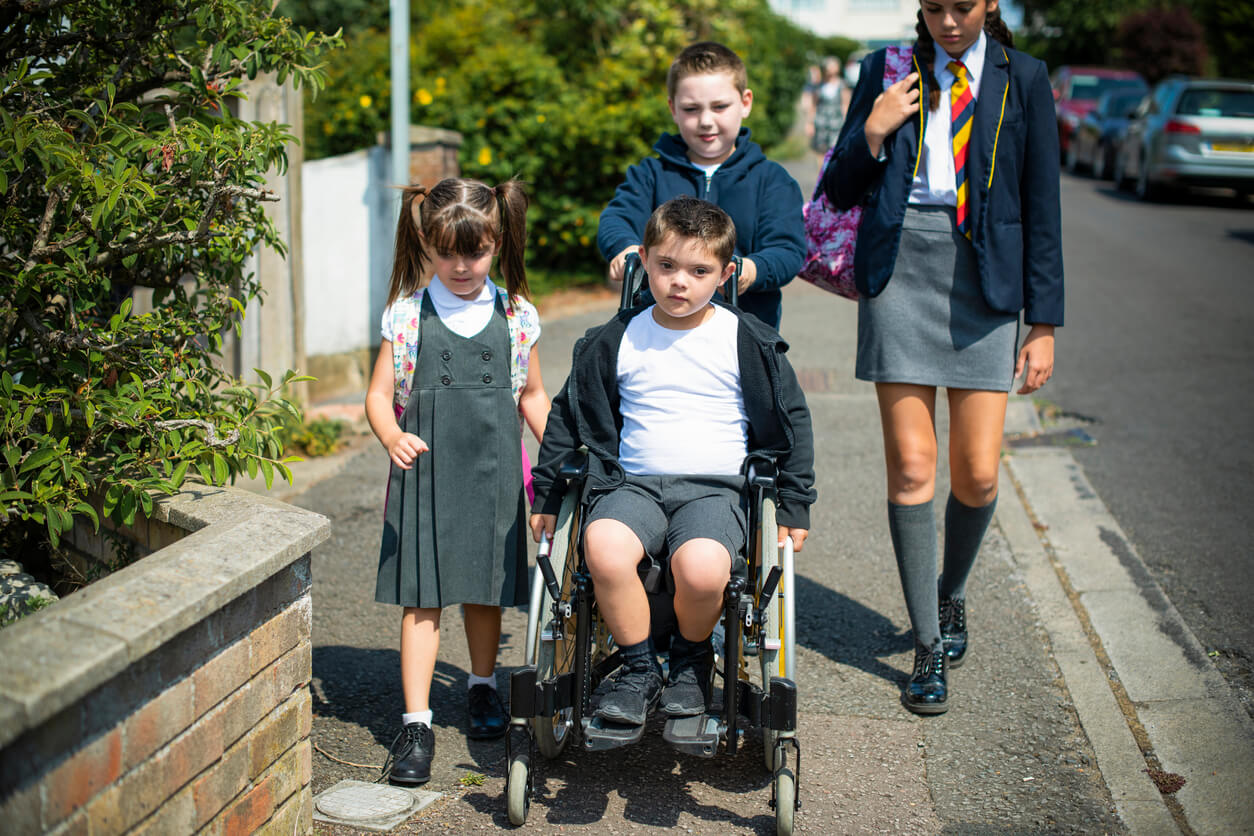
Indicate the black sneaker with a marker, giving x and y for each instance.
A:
(927, 691)
(410, 755)
(632, 695)
(953, 627)
(688, 681)
(488, 718)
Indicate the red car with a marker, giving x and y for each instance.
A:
(1076, 91)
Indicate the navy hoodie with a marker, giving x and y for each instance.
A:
(761, 197)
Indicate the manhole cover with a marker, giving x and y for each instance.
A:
(378, 807)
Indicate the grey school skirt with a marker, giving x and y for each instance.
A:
(931, 325)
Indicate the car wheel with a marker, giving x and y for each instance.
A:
(1121, 178)
(1101, 163)
(1073, 159)
(1145, 190)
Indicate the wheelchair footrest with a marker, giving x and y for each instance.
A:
(601, 735)
(697, 735)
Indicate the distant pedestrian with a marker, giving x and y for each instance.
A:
(831, 99)
(961, 212)
(456, 368)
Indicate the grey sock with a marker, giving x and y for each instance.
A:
(964, 531)
(913, 529)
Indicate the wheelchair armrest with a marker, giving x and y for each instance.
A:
(574, 468)
(762, 472)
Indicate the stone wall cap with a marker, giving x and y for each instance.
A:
(59, 654)
(424, 135)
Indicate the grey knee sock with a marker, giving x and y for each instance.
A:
(964, 531)
(913, 529)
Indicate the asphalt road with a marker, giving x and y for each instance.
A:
(1158, 349)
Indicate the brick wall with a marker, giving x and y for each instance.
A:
(208, 731)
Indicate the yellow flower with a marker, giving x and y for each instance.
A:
(583, 240)
(479, 123)
(327, 128)
(365, 101)
(485, 156)
(540, 117)
(543, 241)
(578, 221)
(439, 84)
(424, 97)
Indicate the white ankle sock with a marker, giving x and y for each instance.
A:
(473, 680)
(423, 717)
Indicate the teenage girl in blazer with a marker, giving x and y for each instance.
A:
(960, 231)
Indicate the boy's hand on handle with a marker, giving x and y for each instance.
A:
(542, 524)
(798, 536)
(892, 108)
(619, 264)
(1036, 358)
(748, 275)
(405, 448)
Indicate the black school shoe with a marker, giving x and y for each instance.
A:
(410, 755)
(953, 627)
(927, 691)
(488, 718)
(688, 681)
(632, 695)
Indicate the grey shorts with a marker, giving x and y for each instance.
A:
(667, 511)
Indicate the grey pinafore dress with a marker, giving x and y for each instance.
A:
(454, 523)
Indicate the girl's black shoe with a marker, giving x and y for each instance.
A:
(410, 755)
(953, 627)
(488, 718)
(927, 691)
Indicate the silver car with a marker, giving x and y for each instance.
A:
(1190, 132)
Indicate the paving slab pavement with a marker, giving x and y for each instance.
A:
(1055, 719)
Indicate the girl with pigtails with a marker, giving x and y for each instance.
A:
(456, 376)
(960, 234)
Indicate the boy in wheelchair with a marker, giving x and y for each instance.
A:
(669, 399)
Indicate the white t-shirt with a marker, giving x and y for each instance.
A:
(684, 387)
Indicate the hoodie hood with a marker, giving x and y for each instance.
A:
(672, 149)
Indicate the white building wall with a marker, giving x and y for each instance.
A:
(869, 21)
(336, 220)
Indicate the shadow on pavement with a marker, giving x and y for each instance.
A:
(848, 632)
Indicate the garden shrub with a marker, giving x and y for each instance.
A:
(122, 167)
(564, 95)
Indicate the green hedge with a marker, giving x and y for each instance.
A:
(564, 95)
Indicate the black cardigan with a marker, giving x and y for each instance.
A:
(586, 413)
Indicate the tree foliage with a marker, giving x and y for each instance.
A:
(563, 93)
(122, 167)
(1161, 42)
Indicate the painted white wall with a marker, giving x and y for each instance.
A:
(336, 218)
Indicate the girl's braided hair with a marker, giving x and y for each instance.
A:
(925, 49)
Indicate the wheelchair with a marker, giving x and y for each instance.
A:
(569, 650)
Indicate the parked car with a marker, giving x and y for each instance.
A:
(1076, 91)
(1097, 137)
(1190, 132)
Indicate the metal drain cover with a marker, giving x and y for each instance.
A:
(376, 807)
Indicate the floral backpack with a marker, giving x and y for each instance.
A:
(831, 233)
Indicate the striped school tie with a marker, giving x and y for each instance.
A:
(961, 108)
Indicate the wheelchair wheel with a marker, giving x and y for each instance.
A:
(518, 799)
(785, 802)
(776, 654)
(553, 647)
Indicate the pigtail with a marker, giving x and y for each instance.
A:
(997, 29)
(512, 202)
(925, 52)
(409, 259)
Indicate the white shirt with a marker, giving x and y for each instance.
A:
(680, 397)
(464, 317)
(935, 184)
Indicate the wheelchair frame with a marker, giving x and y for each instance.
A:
(569, 650)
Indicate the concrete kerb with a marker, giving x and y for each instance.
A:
(1143, 688)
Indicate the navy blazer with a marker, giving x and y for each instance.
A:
(1016, 221)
